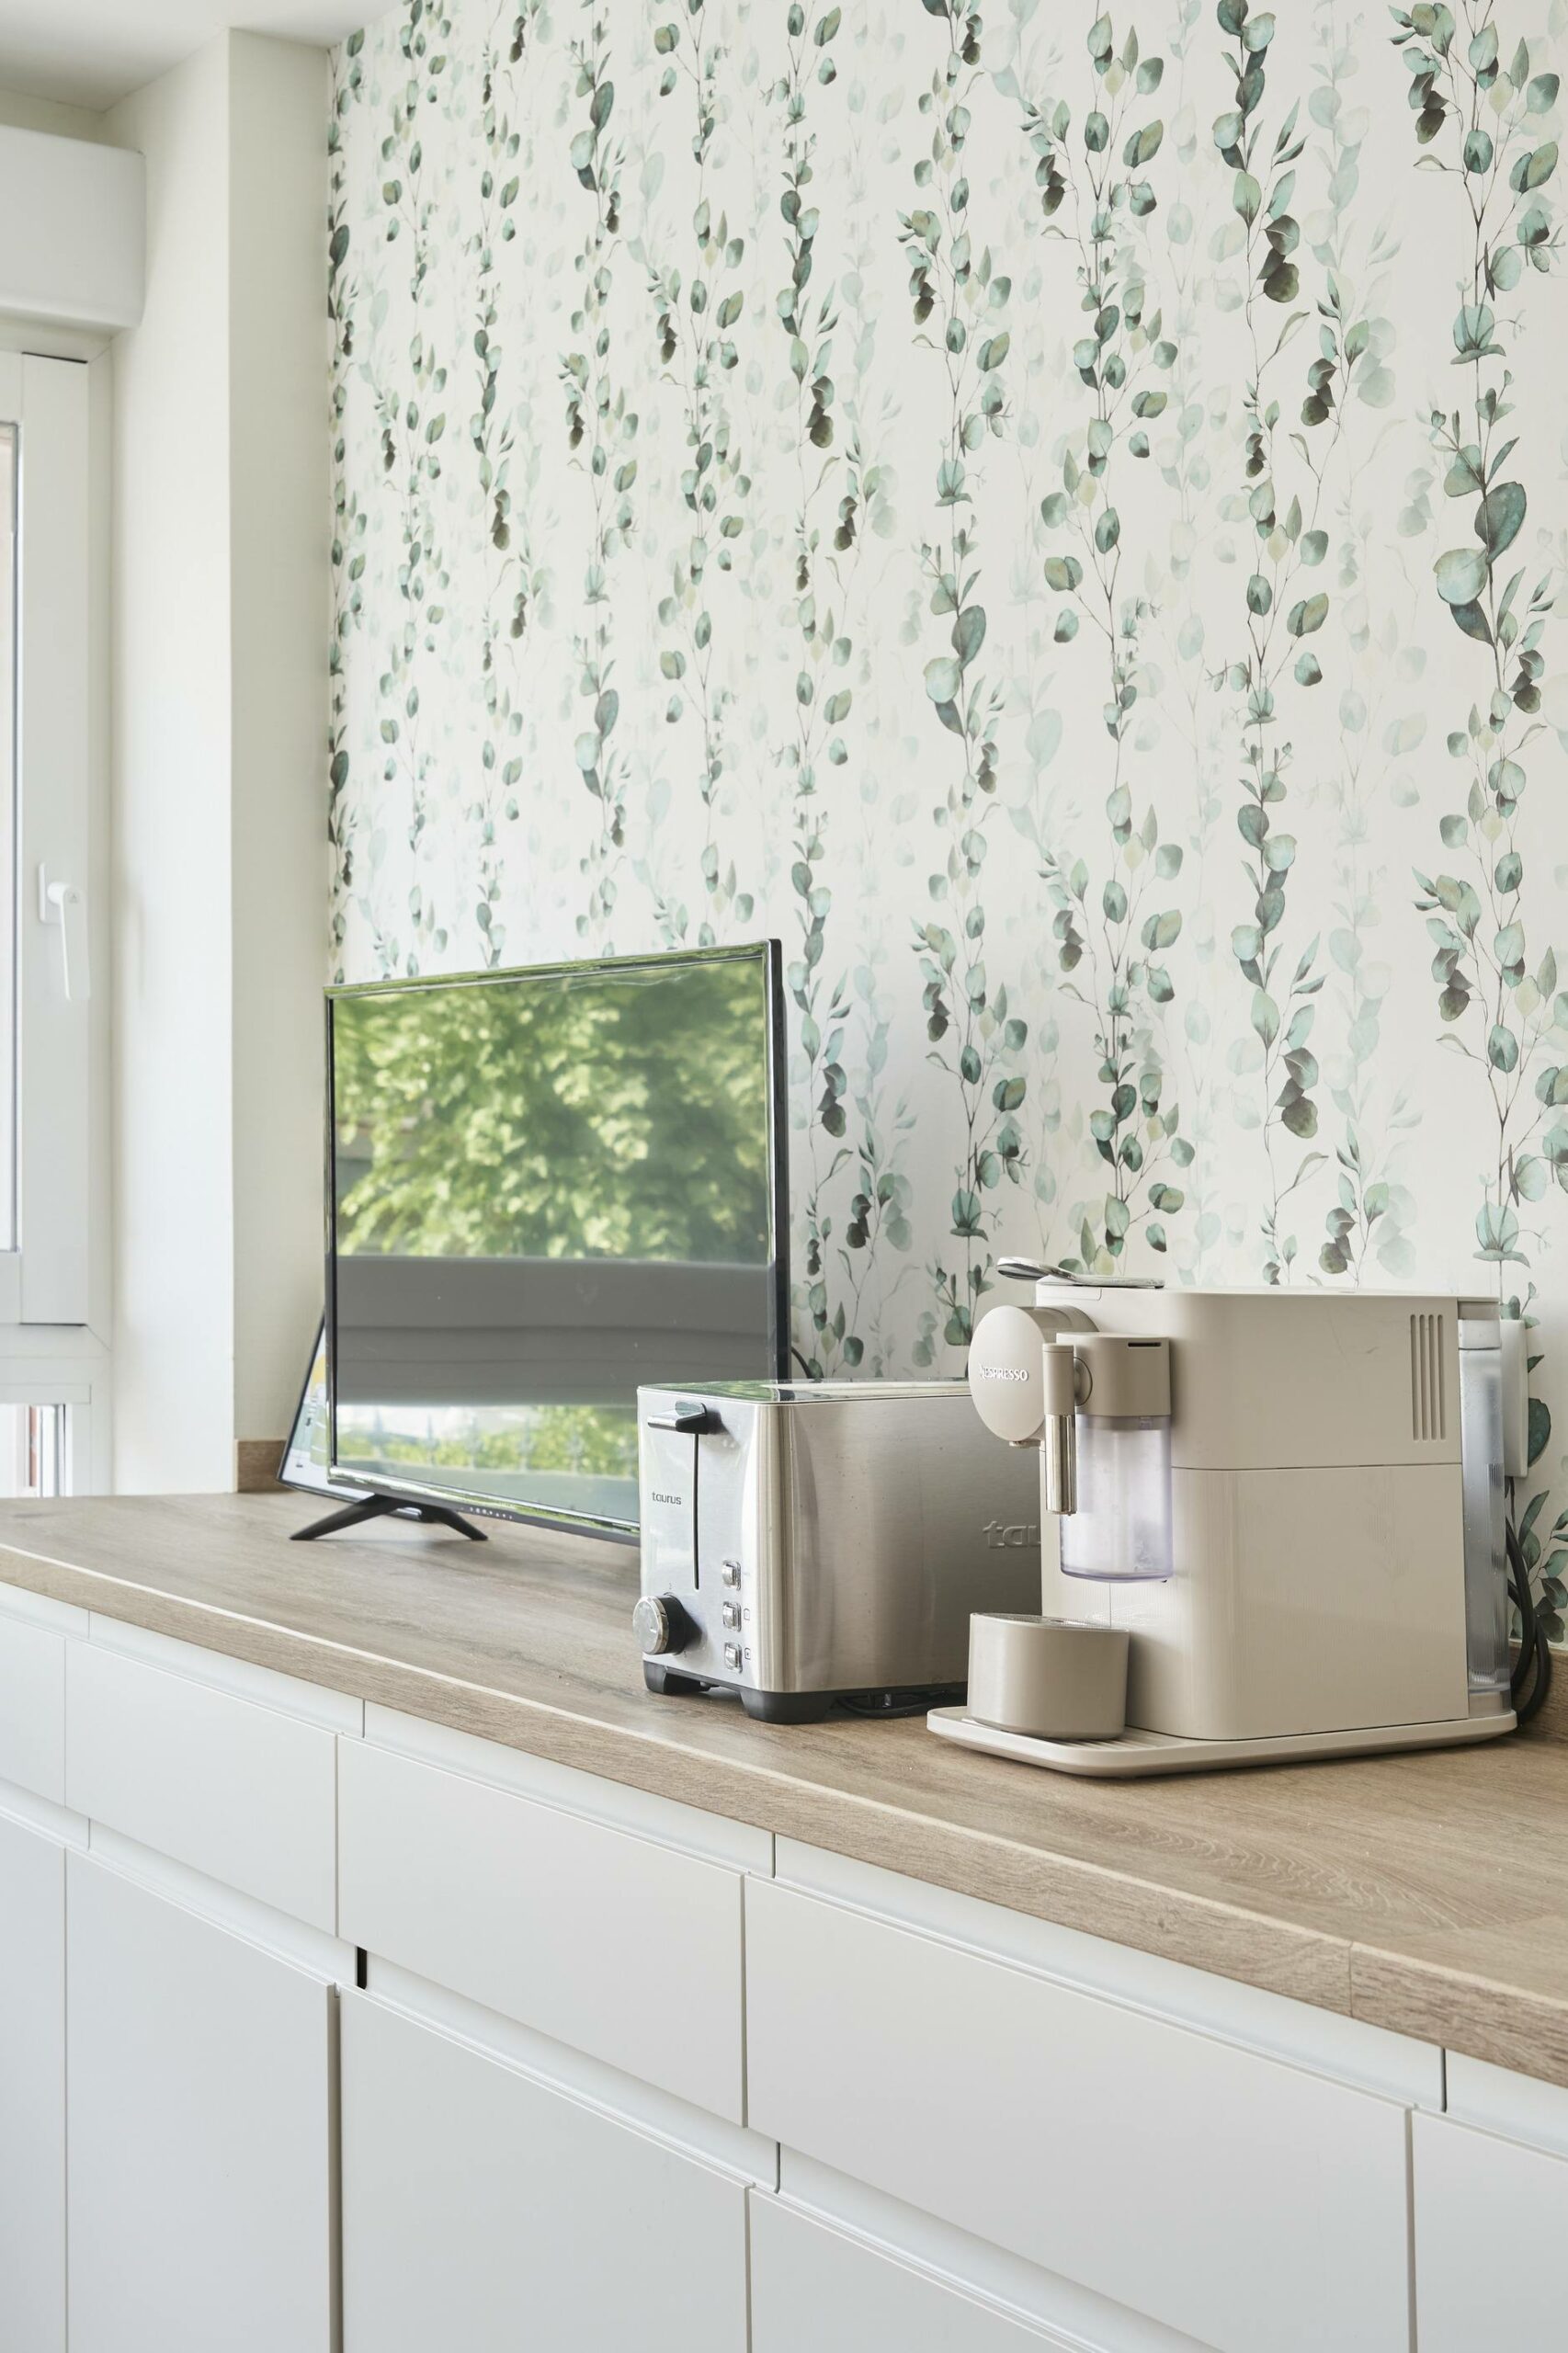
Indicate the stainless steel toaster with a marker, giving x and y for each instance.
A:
(803, 1545)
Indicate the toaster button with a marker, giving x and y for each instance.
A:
(730, 1574)
(733, 1657)
(730, 1614)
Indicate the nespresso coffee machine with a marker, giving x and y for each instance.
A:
(1291, 1501)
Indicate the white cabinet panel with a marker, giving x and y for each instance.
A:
(1253, 2206)
(200, 2132)
(33, 1709)
(1518, 2108)
(1278, 2024)
(289, 1694)
(624, 1949)
(483, 2210)
(32, 2092)
(1487, 2214)
(814, 2286)
(242, 1793)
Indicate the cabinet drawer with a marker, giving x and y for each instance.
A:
(1486, 2211)
(484, 2212)
(1254, 2207)
(622, 1947)
(814, 2286)
(33, 1709)
(235, 1789)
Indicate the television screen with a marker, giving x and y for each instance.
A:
(545, 1187)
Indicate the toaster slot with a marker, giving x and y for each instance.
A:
(669, 1509)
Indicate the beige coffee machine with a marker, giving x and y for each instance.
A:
(1292, 1501)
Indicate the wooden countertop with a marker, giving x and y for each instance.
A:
(1424, 1893)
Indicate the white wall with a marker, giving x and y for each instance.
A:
(219, 689)
(280, 556)
(173, 1312)
(20, 111)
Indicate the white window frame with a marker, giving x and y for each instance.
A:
(44, 1281)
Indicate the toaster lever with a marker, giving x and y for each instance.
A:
(688, 1421)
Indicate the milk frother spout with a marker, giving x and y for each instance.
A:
(1058, 1431)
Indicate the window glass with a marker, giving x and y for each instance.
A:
(35, 1451)
(7, 837)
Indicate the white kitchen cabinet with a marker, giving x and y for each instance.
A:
(32, 2091)
(200, 2131)
(1487, 2215)
(32, 1707)
(613, 2087)
(484, 2209)
(812, 2284)
(581, 1931)
(1251, 2205)
(244, 1793)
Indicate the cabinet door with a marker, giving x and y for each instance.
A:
(32, 2091)
(811, 2285)
(1486, 2213)
(1250, 2205)
(200, 2132)
(485, 2211)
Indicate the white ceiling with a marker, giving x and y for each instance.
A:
(90, 52)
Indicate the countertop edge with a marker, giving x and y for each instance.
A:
(1462, 2010)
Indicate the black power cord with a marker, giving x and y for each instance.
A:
(1533, 1667)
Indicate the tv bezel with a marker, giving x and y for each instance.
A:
(769, 953)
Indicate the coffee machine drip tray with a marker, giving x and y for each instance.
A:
(1140, 1755)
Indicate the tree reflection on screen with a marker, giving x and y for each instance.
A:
(589, 1114)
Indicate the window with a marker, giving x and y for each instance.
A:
(51, 1361)
(43, 824)
(7, 837)
(35, 1451)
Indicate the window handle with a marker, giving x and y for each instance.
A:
(64, 905)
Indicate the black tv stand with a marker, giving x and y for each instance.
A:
(389, 1507)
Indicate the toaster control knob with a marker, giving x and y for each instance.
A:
(661, 1624)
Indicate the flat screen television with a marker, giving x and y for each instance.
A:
(545, 1187)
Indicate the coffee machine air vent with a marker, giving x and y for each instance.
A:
(1429, 1403)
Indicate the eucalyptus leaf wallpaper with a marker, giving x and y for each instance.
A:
(1059, 517)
